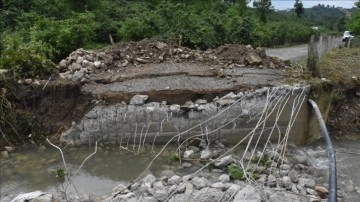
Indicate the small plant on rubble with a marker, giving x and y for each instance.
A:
(236, 172)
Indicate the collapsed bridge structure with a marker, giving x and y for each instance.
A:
(151, 92)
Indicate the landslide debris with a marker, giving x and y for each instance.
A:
(81, 64)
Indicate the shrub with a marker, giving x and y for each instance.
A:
(25, 58)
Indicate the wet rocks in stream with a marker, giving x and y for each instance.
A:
(271, 184)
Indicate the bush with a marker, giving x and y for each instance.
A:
(25, 58)
(66, 35)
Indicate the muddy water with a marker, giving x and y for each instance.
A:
(31, 169)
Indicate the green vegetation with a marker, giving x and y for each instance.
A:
(46, 31)
(236, 172)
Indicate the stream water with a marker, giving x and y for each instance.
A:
(31, 169)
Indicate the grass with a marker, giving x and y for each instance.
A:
(340, 67)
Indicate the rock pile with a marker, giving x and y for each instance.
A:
(275, 181)
(82, 63)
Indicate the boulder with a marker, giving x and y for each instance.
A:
(206, 194)
(224, 161)
(247, 194)
(200, 182)
(253, 59)
(34, 196)
(138, 99)
(282, 196)
(224, 178)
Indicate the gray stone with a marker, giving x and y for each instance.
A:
(286, 182)
(285, 167)
(218, 185)
(189, 189)
(28, 81)
(307, 183)
(175, 108)
(174, 180)
(206, 194)
(177, 198)
(158, 185)
(123, 197)
(78, 75)
(161, 195)
(121, 187)
(97, 64)
(186, 178)
(63, 63)
(135, 186)
(33, 196)
(224, 178)
(224, 161)
(310, 191)
(79, 60)
(301, 189)
(253, 59)
(205, 154)
(281, 196)
(186, 164)
(149, 179)
(284, 172)
(300, 157)
(188, 105)
(271, 181)
(247, 194)
(138, 99)
(262, 179)
(167, 173)
(200, 101)
(200, 182)
(294, 176)
(160, 45)
(181, 188)
(294, 189)
(188, 153)
(172, 188)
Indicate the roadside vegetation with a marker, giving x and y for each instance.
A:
(46, 31)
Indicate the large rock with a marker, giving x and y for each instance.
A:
(308, 183)
(225, 161)
(206, 194)
(200, 182)
(34, 196)
(138, 99)
(247, 194)
(282, 196)
(253, 59)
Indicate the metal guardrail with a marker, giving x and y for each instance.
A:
(332, 197)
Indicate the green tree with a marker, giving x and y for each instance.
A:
(264, 7)
(354, 23)
(357, 4)
(299, 8)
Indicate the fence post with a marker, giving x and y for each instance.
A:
(313, 58)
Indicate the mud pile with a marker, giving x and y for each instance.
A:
(82, 63)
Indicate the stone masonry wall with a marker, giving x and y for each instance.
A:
(229, 119)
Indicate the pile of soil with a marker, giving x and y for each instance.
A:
(122, 55)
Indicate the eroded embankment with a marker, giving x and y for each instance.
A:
(164, 72)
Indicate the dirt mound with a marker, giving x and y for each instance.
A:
(81, 63)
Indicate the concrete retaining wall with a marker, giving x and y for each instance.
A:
(229, 119)
(327, 43)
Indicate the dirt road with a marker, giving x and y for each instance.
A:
(295, 53)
